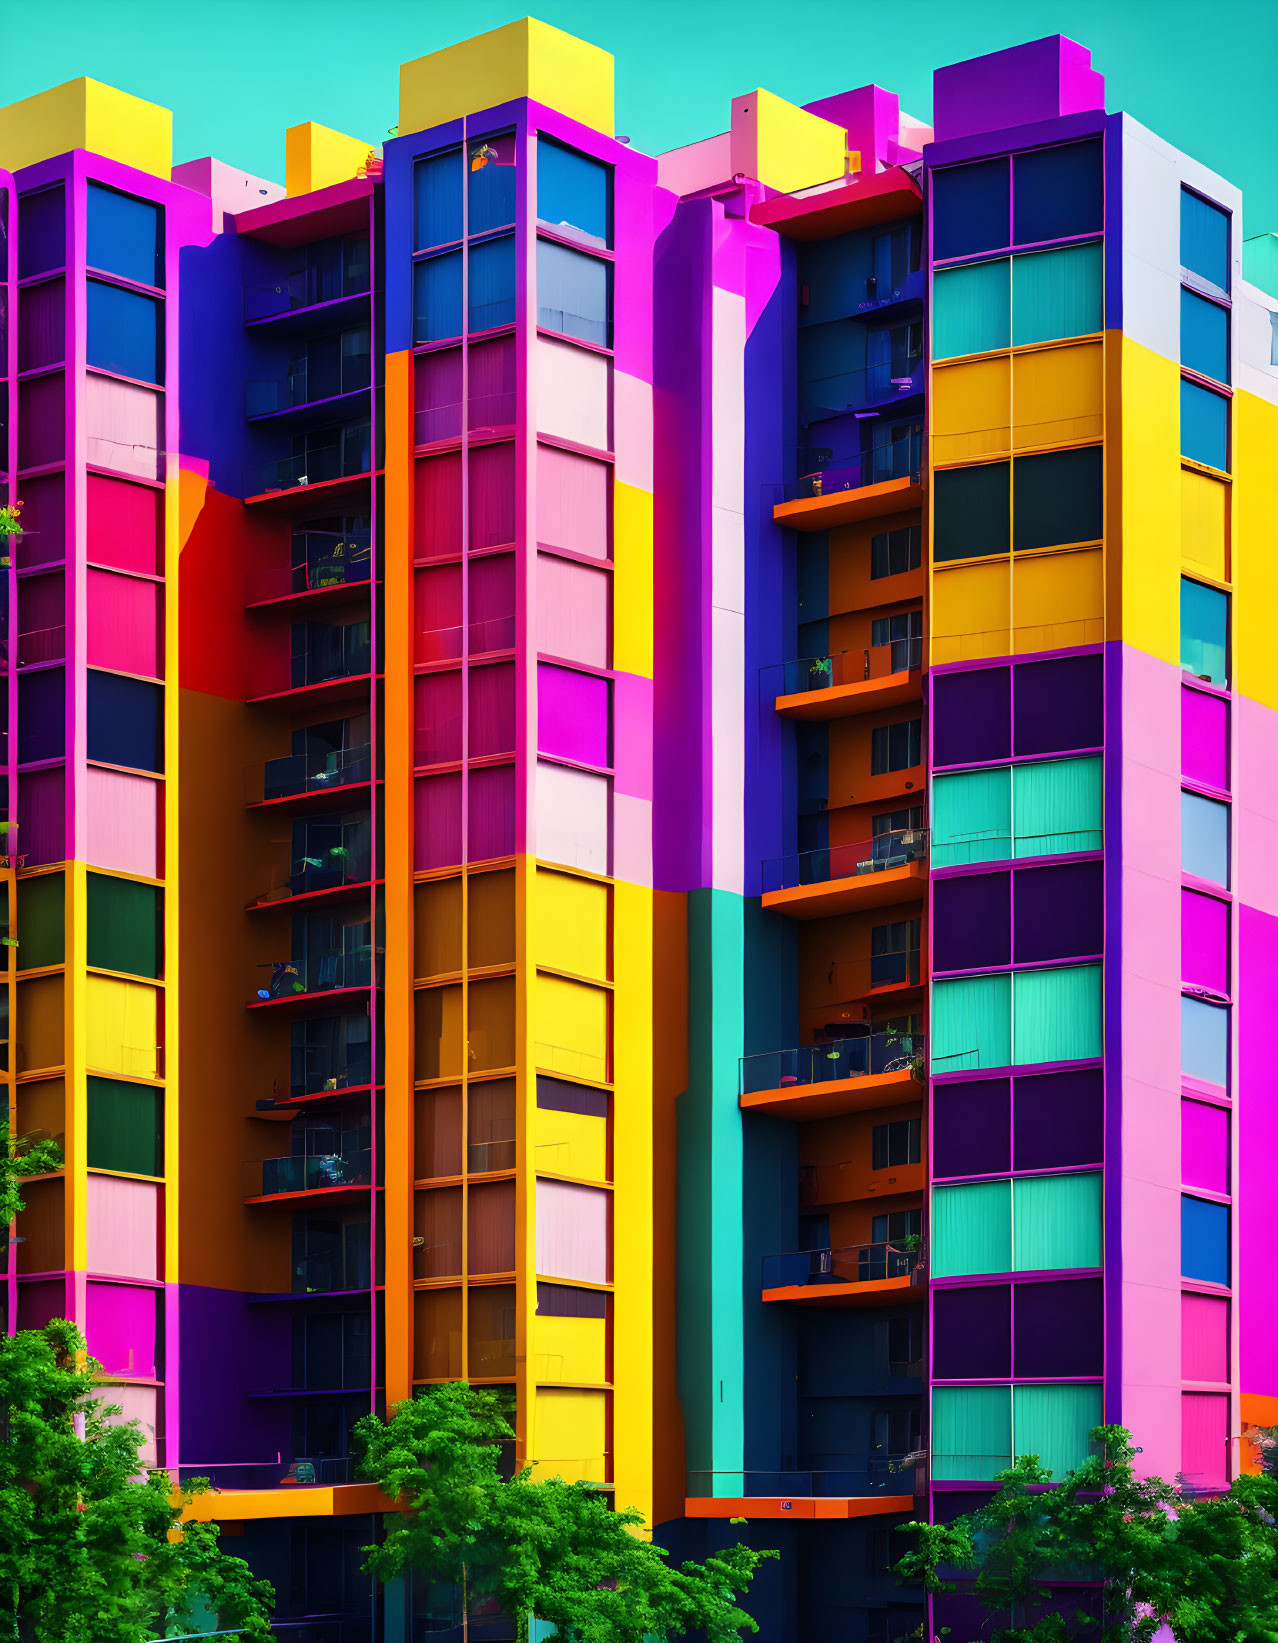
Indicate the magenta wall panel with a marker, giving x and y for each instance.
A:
(490, 812)
(1204, 1438)
(123, 425)
(437, 390)
(124, 623)
(437, 507)
(572, 715)
(437, 594)
(1204, 1146)
(1204, 941)
(573, 502)
(42, 815)
(437, 840)
(491, 710)
(39, 1302)
(121, 1329)
(122, 1223)
(41, 618)
(44, 509)
(1204, 1337)
(1204, 738)
(572, 1232)
(438, 718)
(491, 497)
(124, 523)
(41, 420)
(121, 822)
(573, 603)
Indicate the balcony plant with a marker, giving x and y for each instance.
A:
(10, 529)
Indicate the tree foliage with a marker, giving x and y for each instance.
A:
(91, 1550)
(1207, 1566)
(33, 1154)
(554, 1550)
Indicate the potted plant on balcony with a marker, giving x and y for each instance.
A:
(10, 528)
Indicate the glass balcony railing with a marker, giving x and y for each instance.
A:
(308, 1172)
(304, 288)
(269, 1474)
(837, 1058)
(482, 638)
(296, 977)
(878, 1474)
(827, 471)
(844, 391)
(315, 772)
(320, 559)
(321, 652)
(850, 1264)
(343, 456)
(307, 384)
(844, 667)
(482, 412)
(845, 861)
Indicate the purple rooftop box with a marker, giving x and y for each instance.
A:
(1024, 84)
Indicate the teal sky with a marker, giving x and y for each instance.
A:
(237, 72)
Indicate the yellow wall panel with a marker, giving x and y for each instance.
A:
(1058, 599)
(570, 1028)
(567, 1438)
(39, 1026)
(87, 114)
(971, 611)
(632, 580)
(1058, 395)
(316, 156)
(1204, 523)
(783, 145)
(569, 1349)
(121, 1026)
(571, 924)
(1144, 390)
(1255, 564)
(570, 1143)
(971, 409)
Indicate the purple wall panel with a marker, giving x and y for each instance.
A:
(42, 815)
(972, 1332)
(221, 1334)
(971, 921)
(971, 715)
(573, 715)
(1040, 80)
(1204, 738)
(970, 1129)
(1059, 1329)
(1058, 1120)
(1204, 941)
(1057, 705)
(41, 420)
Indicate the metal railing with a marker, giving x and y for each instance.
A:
(845, 667)
(835, 1059)
(826, 471)
(294, 977)
(325, 1274)
(303, 386)
(482, 413)
(880, 1474)
(845, 861)
(319, 559)
(302, 289)
(848, 1264)
(304, 1470)
(297, 773)
(846, 390)
(342, 653)
(320, 463)
(308, 1172)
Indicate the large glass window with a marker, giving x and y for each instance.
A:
(573, 194)
(1058, 498)
(437, 298)
(125, 721)
(894, 552)
(491, 284)
(977, 1429)
(124, 331)
(124, 236)
(1038, 1223)
(1204, 837)
(971, 511)
(490, 183)
(1204, 1040)
(896, 747)
(1204, 631)
(1050, 808)
(1058, 293)
(437, 199)
(970, 208)
(1204, 240)
(1058, 192)
(574, 293)
(1204, 1240)
(1204, 425)
(1204, 336)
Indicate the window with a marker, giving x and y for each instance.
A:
(437, 298)
(574, 294)
(490, 183)
(972, 511)
(1204, 336)
(896, 747)
(490, 272)
(892, 553)
(1028, 1017)
(971, 309)
(895, 1432)
(1043, 809)
(976, 1430)
(124, 236)
(1058, 498)
(897, 1143)
(42, 244)
(899, 629)
(574, 194)
(1204, 837)
(899, 1224)
(904, 1343)
(1204, 630)
(1035, 1223)
(1204, 240)
(1058, 293)
(1204, 1240)
(1204, 425)
(125, 1127)
(125, 331)
(880, 1553)
(970, 208)
(894, 953)
(1204, 1040)
(437, 199)
(125, 925)
(1058, 192)
(125, 721)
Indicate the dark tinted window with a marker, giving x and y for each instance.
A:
(1059, 497)
(1058, 192)
(971, 512)
(970, 208)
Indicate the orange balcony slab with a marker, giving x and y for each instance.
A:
(862, 696)
(826, 513)
(850, 895)
(842, 1095)
(875, 1292)
(796, 1506)
(241, 1505)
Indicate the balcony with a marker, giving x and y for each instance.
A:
(322, 564)
(296, 775)
(882, 385)
(330, 662)
(334, 462)
(842, 487)
(848, 682)
(315, 1471)
(314, 390)
(853, 1275)
(849, 878)
(842, 1075)
(882, 1484)
(297, 981)
(327, 1173)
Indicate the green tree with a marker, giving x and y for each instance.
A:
(1205, 1565)
(28, 1155)
(554, 1550)
(90, 1545)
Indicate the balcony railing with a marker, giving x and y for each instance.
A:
(298, 773)
(849, 1264)
(845, 861)
(344, 459)
(836, 1059)
(827, 471)
(305, 385)
(481, 412)
(308, 1172)
(445, 644)
(877, 1475)
(328, 1274)
(320, 559)
(844, 667)
(339, 653)
(305, 1470)
(302, 289)
(297, 977)
(835, 395)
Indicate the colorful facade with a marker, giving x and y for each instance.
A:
(645, 781)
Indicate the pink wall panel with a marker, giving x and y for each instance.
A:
(573, 502)
(573, 715)
(1204, 941)
(572, 393)
(42, 815)
(438, 821)
(1204, 1337)
(573, 602)
(1256, 1118)
(121, 821)
(572, 1232)
(123, 425)
(124, 525)
(121, 1329)
(1204, 738)
(437, 507)
(490, 812)
(1204, 1146)
(1204, 1438)
(136, 1403)
(491, 497)
(122, 1222)
(572, 817)
(124, 623)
